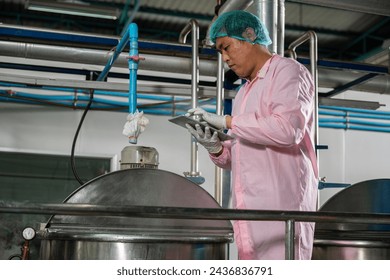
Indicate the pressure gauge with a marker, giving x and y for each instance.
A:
(28, 233)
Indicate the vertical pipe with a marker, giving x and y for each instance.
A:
(314, 71)
(267, 11)
(133, 66)
(388, 61)
(219, 109)
(290, 233)
(193, 27)
(312, 36)
(229, 5)
(281, 27)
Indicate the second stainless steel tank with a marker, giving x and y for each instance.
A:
(350, 241)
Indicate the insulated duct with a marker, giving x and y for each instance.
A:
(99, 57)
(327, 77)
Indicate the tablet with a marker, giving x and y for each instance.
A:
(183, 120)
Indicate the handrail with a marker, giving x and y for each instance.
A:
(193, 26)
(310, 36)
(290, 217)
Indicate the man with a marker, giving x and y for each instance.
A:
(272, 156)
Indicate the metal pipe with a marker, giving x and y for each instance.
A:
(118, 49)
(229, 5)
(328, 77)
(190, 213)
(193, 27)
(133, 67)
(289, 245)
(267, 11)
(152, 62)
(311, 36)
(272, 14)
(219, 182)
(197, 213)
(281, 27)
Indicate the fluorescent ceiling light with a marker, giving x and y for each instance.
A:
(77, 8)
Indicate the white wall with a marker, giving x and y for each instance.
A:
(353, 156)
(51, 130)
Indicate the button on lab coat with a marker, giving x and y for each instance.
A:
(272, 157)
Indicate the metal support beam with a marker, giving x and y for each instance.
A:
(350, 85)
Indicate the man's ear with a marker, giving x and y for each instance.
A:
(249, 34)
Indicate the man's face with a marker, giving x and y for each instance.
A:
(236, 54)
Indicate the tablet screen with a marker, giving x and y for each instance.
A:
(183, 120)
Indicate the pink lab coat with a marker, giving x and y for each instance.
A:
(272, 157)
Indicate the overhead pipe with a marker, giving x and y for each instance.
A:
(118, 49)
(153, 62)
(329, 77)
(193, 27)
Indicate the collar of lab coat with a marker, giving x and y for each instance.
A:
(261, 73)
(264, 69)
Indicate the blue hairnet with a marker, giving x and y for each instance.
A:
(235, 23)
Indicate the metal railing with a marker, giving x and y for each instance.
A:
(289, 217)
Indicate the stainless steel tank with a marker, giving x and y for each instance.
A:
(91, 237)
(350, 241)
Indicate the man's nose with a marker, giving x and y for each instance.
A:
(225, 57)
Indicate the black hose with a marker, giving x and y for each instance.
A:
(72, 157)
(15, 256)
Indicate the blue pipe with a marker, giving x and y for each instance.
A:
(133, 66)
(101, 92)
(366, 111)
(354, 122)
(118, 49)
(354, 115)
(354, 127)
(100, 100)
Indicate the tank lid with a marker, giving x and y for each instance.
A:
(370, 197)
(141, 187)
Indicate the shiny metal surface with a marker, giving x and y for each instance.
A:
(354, 241)
(350, 250)
(139, 157)
(90, 250)
(120, 237)
(371, 196)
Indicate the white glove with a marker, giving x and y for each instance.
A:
(211, 142)
(134, 126)
(217, 121)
